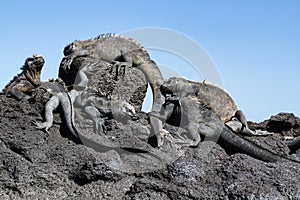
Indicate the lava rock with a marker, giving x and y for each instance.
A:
(38, 165)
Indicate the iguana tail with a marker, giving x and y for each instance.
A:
(237, 144)
(78, 138)
(155, 79)
(294, 146)
(120, 150)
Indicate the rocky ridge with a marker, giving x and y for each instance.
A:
(38, 165)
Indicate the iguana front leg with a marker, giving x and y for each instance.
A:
(90, 69)
(51, 105)
(129, 60)
(96, 117)
(67, 61)
(17, 91)
(195, 138)
(157, 121)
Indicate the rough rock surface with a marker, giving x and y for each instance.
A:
(130, 85)
(37, 165)
(287, 124)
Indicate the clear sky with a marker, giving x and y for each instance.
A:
(255, 44)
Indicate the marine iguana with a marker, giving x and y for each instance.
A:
(119, 51)
(294, 145)
(60, 96)
(215, 99)
(199, 120)
(21, 85)
(98, 106)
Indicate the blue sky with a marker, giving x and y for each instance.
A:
(254, 44)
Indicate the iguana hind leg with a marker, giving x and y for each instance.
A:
(128, 62)
(17, 92)
(95, 116)
(51, 105)
(194, 139)
(157, 120)
(238, 124)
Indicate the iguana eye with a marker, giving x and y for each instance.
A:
(29, 59)
(68, 49)
(196, 89)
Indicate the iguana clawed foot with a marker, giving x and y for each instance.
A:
(67, 62)
(185, 143)
(260, 133)
(166, 136)
(237, 127)
(42, 126)
(94, 114)
(238, 124)
(99, 126)
(92, 68)
(119, 67)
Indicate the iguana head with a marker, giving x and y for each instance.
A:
(35, 62)
(123, 110)
(180, 86)
(70, 48)
(32, 69)
(128, 109)
(78, 45)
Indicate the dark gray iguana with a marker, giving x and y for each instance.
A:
(182, 99)
(29, 80)
(199, 120)
(215, 99)
(60, 96)
(98, 106)
(119, 51)
(21, 85)
(294, 145)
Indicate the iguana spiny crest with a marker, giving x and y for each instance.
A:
(106, 47)
(211, 96)
(91, 44)
(118, 51)
(115, 50)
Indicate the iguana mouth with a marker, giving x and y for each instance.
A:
(39, 62)
(36, 61)
(68, 49)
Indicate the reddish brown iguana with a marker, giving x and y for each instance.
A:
(21, 85)
(213, 98)
(202, 109)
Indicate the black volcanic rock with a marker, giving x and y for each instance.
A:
(38, 165)
(131, 85)
(284, 123)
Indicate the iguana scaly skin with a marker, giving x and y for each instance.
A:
(294, 145)
(22, 84)
(119, 51)
(60, 96)
(97, 106)
(199, 120)
(214, 98)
